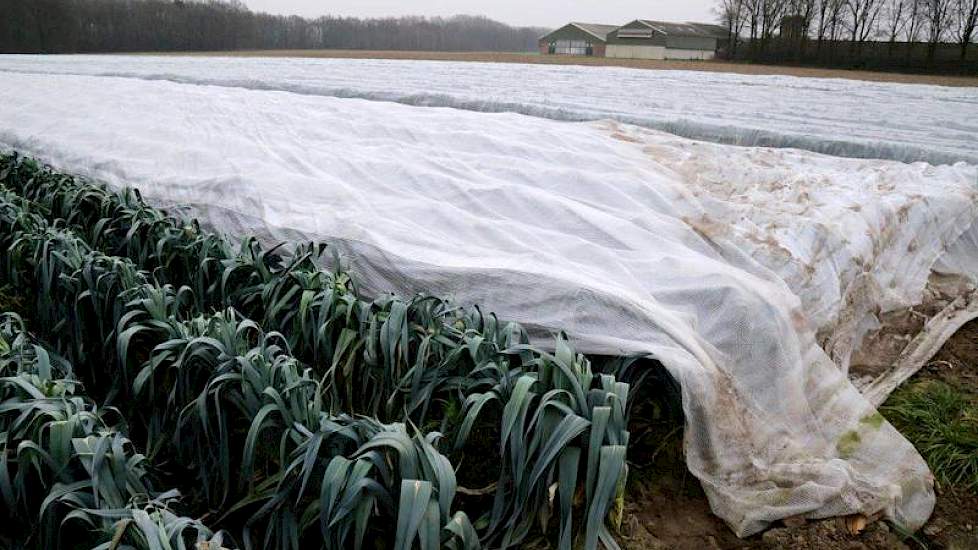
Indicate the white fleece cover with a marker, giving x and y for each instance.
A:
(720, 261)
(835, 116)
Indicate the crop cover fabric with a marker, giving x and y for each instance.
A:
(728, 264)
(836, 116)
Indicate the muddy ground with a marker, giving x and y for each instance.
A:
(501, 57)
(666, 508)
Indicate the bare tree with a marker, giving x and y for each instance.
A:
(753, 8)
(894, 18)
(965, 15)
(804, 12)
(937, 14)
(829, 19)
(861, 20)
(857, 33)
(805, 9)
(732, 15)
(915, 21)
(771, 13)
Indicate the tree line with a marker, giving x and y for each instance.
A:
(936, 35)
(78, 26)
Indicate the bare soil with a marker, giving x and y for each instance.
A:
(708, 66)
(666, 508)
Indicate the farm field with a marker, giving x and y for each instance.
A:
(578, 257)
(841, 117)
(648, 64)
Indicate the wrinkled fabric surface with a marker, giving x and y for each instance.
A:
(731, 265)
(841, 117)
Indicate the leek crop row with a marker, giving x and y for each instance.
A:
(67, 461)
(168, 307)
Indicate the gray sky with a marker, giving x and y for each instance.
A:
(544, 13)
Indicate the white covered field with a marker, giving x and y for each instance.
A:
(840, 117)
(752, 273)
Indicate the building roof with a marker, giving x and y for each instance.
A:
(685, 29)
(718, 31)
(601, 31)
(596, 30)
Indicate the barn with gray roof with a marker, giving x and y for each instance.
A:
(640, 39)
(577, 39)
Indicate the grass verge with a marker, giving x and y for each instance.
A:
(942, 422)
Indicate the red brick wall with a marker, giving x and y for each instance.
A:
(544, 47)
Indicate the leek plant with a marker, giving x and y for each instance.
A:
(223, 361)
(67, 461)
(163, 307)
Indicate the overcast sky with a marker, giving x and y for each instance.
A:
(543, 13)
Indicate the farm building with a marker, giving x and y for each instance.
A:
(577, 39)
(640, 39)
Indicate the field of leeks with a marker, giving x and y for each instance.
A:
(306, 414)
